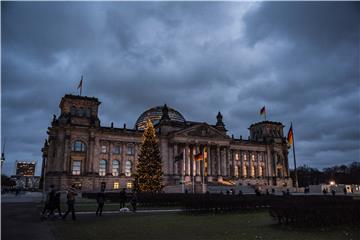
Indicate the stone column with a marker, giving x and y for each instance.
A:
(258, 165)
(198, 166)
(188, 166)
(251, 164)
(228, 165)
(123, 156)
(218, 161)
(136, 149)
(176, 165)
(234, 162)
(67, 161)
(223, 161)
(90, 153)
(208, 147)
(109, 165)
(189, 153)
(170, 160)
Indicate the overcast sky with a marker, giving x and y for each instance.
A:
(300, 60)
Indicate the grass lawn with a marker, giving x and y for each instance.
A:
(174, 226)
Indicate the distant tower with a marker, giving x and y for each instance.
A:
(267, 131)
(219, 123)
(78, 110)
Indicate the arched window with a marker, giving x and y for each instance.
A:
(102, 168)
(115, 168)
(79, 146)
(128, 166)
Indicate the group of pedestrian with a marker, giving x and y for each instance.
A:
(53, 202)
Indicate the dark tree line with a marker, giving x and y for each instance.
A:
(343, 174)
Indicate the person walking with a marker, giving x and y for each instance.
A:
(134, 201)
(49, 203)
(70, 202)
(100, 198)
(57, 204)
(122, 198)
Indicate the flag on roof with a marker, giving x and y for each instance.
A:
(262, 110)
(290, 137)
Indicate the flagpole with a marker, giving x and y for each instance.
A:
(81, 84)
(295, 170)
(193, 176)
(183, 182)
(203, 168)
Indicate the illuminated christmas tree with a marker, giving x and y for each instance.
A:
(149, 173)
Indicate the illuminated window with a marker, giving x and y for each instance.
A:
(103, 149)
(260, 157)
(129, 184)
(76, 167)
(102, 168)
(116, 185)
(252, 157)
(236, 156)
(252, 173)
(244, 171)
(128, 169)
(130, 150)
(117, 149)
(244, 156)
(261, 171)
(79, 146)
(115, 168)
(236, 171)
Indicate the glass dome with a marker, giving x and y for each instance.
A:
(155, 114)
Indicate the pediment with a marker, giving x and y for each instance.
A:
(202, 131)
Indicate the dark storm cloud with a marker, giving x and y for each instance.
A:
(301, 60)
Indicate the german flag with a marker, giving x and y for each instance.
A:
(198, 157)
(290, 137)
(262, 110)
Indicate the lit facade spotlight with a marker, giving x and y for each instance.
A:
(332, 183)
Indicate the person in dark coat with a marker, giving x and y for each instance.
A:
(56, 205)
(49, 203)
(70, 202)
(122, 198)
(134, 201)
(100, 199)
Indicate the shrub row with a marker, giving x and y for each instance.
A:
(297, 210)
(315, 210)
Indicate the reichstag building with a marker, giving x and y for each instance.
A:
(82, 152)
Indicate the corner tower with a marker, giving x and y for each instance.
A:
(79, 110)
